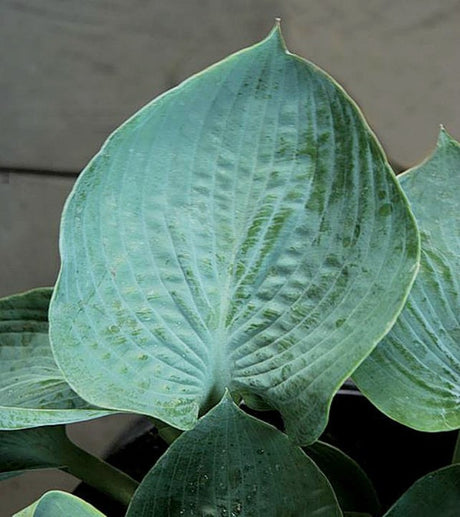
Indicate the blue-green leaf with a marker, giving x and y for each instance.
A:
(414, 374)
(436, 494)
(242, 231)
(59, 504)
(33, 391)
(233, 464)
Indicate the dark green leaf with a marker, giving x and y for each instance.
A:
(31, 449)
(351, 485)
(232, 464)
(435, 495)
(49, 447)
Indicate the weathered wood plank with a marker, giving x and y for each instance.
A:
(399, 60)
(30, 210)
(72, 71)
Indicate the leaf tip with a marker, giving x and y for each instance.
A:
(276, 36)
(444, 137)
(227, 398)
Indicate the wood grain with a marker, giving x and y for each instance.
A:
(73, 71)
(30, 209)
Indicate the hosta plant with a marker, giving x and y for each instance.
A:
(241, 242)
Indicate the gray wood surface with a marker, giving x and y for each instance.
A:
(30, 210)
(73, 71)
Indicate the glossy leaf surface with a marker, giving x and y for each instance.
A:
(242, 231)
(59, 504)
(436, 494)
(351, 485)
(33, 391)
(234, 464)
(414, 374)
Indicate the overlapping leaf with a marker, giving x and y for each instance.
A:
(242, 231)
(32, 449)
(351, 485)
(438, 493)
(48, 447)
(414, 374)
(33, 391)
(59, 504)
(234, 464)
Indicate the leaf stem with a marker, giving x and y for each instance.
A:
(166, 432)
(99, 474)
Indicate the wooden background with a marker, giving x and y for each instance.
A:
(72, 71)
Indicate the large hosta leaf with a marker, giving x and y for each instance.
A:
(414, 374)
(234, 464)
(243, 230)
(33, 391)
(436, 494)
(59, 504)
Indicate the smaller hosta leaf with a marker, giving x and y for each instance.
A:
(351, 485)
(33, 391)
(59, 504)
(234, 464)
(436, 494)
(414, 373)
(31, 449)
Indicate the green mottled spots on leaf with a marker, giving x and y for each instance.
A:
(210, 235)
(33, 391)
(414, 374)
(386, 209)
